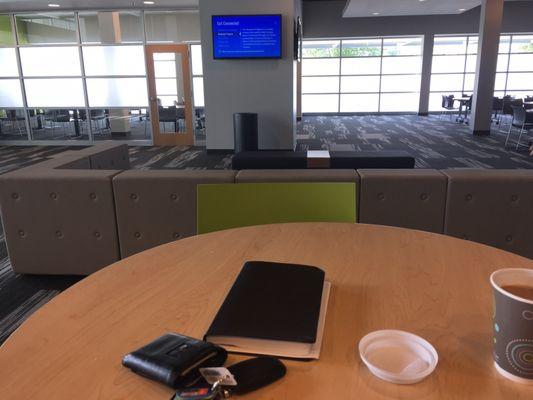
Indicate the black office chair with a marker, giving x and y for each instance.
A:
(98, 119)
(14, 118)
(522, 120)
(468, 106)
(200, 118)
(497, 109)
(507, 111)
(101, 122)
(168, 114)
(180, 114)
(447, 105)
(57, 118)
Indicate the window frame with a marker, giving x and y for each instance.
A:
(507, 53)
(339, 91)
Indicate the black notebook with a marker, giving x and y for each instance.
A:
(273, 309)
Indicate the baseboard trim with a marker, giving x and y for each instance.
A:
(289, 149)
(226, 151)
(349, 114)
(219, 151)
(481, 133)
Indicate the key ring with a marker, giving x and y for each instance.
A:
(222, 393)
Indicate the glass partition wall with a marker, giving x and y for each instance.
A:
(198, 92)
(361, 75)
(454, 66)
(13, 123)
(69, 76)
(516, 55)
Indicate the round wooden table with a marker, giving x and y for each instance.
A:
(382, 278)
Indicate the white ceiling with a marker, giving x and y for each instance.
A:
(385, 8)
(38, 5)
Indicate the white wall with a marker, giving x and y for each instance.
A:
(265, 87)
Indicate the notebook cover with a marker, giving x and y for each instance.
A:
(272, 301)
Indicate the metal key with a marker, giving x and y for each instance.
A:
(215, 392)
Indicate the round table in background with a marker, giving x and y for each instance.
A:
(382, 278)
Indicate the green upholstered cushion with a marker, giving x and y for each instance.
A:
(225, 206)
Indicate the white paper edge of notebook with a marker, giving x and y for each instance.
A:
(280, 348)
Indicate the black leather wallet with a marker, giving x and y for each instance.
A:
(174, 359)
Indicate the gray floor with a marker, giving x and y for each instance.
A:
(434, 142)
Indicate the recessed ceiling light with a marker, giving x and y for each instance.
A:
(54, 5)
(375, 13)
(150, 3)
(462, 9)
(421, 1)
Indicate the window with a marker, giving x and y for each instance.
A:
(172, 26)
(8, 62)
(43, 61)
(10, 93)
(114, 60)
(12, 117)
(197, 75)
(516, 66)
(115, 77)
(58, 92)
(361, 75)
(117, 92)
(6, 32)
(129, 24)
(46, 28)
(168, 87)
(453, 68)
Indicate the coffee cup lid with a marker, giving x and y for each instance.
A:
(397, 356)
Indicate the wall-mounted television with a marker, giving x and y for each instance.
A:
(246, 36)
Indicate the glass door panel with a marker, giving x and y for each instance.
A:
(170, 94)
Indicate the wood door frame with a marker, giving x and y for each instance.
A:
(170, 139)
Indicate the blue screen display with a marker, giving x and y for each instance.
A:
(247, 36)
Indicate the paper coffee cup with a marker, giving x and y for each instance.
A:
(513, 325)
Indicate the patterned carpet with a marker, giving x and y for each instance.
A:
(22, 295)
(435, 143)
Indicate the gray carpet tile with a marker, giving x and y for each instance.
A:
(434, 142)
(22, 295)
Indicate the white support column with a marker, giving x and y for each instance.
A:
(266, 87)
(487, 60)
(427, 59)
(109, 27)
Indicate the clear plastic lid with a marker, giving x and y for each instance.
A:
(397, 356)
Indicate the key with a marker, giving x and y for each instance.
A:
(240, 378)
(214, 392)
(196, 394)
